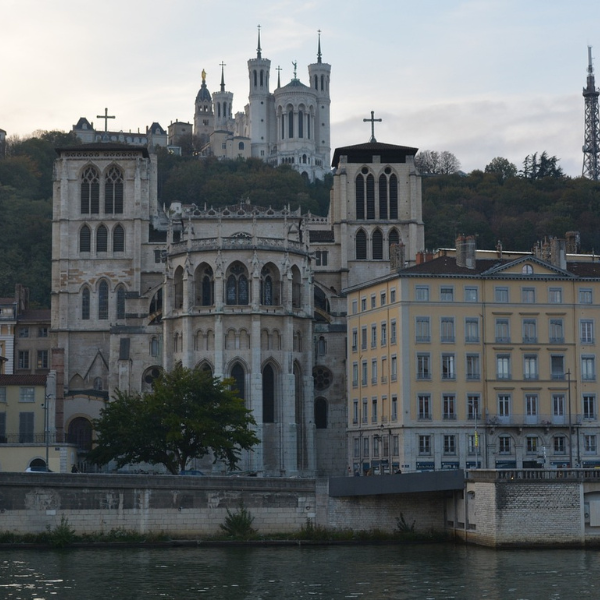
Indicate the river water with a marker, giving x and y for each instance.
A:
(428, 572)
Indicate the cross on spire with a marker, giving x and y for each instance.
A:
(372, 120)
(105, 116)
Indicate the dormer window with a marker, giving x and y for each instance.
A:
(527, 270)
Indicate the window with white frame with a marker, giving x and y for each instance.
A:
(449, 407)
(448, 366)
(473, 443)
(355, 411)
(26, 394)
(447, 293)
(356, 447)
(589, 444)
(473, 367)
(424, 445)
(503, 366)
(586, 330)
(556, 331)
(393, 331)
(393, 295)
(384, 333)
(528, 295)
(529, 331)
(376, 446)
(373, 336)
(532, 443)
(365, 411)
(355, 374)
(557, 366)
(374, 371)
(558, 405)
(530, 366)
(471, 330)
(531, 405)
(363, 304)
(354, 307)
(424, 405)
(473, 407)
(589, 406)
(366, 447)
(423, 329)
(422, 293)
(560, 445)
(585, 296)
(555, 295)
(354, 340)
(382, 299)
(504, 445)
(501, 295)
(394, 369)
(363, 338)
(384, 369)
(449, 445)
(503, 330)
(447, 330)
(504, 405)
(394, 408)
(423, 365)
(373, 301)
(588, 368)
(374, 410)
(364, 374)
(471, 294)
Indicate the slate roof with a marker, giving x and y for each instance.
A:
(106, 147)
(363, 153)
(26, 379)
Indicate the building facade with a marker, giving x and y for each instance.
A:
(475, 359)
(244, 291)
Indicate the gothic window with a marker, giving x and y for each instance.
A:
(149, 377)
(377, 245)
(204, 286)
(118, 239)
(323, 378)
(239, 377)
(268, 392)
(296, 287)
(113, 191)
(383, 200)
(154, 346)
(282, 127)
(361, 245)
(321, 413)
(322, 82)
(85, 304)
(394, 238)
(121, 302)
(85, 239)
(360, 197)
(393, 197)
(237, 286)
(370, 197)
(267, 288)
(103, 301)
(300, 124)
(102, 239)
(218, 109)
(80, 433)
(178, 287)
(316, 82)
(90, 191)
(255, 78)
(262, 78)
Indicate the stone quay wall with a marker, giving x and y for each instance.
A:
(196, 506)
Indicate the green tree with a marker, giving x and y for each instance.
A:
(502, 168)
(188, 414)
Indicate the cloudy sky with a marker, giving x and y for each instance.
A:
(479, 78)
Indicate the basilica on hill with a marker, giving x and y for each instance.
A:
(244, 291)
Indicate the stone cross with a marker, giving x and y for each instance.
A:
(105, 116)
(372, 121)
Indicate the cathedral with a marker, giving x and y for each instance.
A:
(245, 292)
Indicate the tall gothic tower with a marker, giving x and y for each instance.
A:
(222, 106)
(203, 113)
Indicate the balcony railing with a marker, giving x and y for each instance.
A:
(539, 420)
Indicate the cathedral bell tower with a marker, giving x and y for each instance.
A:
(259, 102)
(203, 113)
(222, 103)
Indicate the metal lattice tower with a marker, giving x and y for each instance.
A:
(591, 145)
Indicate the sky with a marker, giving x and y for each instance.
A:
(478, 78)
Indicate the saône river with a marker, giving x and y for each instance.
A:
(421, 571)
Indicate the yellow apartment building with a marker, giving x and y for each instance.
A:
(475, 359)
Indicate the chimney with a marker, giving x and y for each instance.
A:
(573, 242)
(470, 252)
(558, 253)
(461, 259)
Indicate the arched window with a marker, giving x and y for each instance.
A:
(268, 391)
(85, 239)
(102, 239)
(282, 126)
(322, 82)
(300, 124)
(393, 197)
(383, 200)
(149, 376)
(90, 191)
(239, 376)
(370, 197)
(262, 78)
(237, 285)
(103, 301)
(269, 286)
(85, 304)
(377, 245)
(241, 146)
(113, 191)
(308, 125)
(154, 346)
(80, 433)
(204, 285)
(290, 123)
(121, 302)
(296, 287)
(321, 346)
(178, 287)
(360, 197)
(361, 245)
(394, 237)
(118, 239)
(316, 82)
(321, 413)
(255, 78)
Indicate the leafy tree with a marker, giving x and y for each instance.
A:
(189, 414)
(430, 162)
(502, 167)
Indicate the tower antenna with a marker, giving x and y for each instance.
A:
(591, 144)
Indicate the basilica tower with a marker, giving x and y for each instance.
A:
(203, 113)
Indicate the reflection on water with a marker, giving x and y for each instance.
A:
(431, 572)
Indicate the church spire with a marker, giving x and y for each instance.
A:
(223, 65)
(258, 50)
(319, 48)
